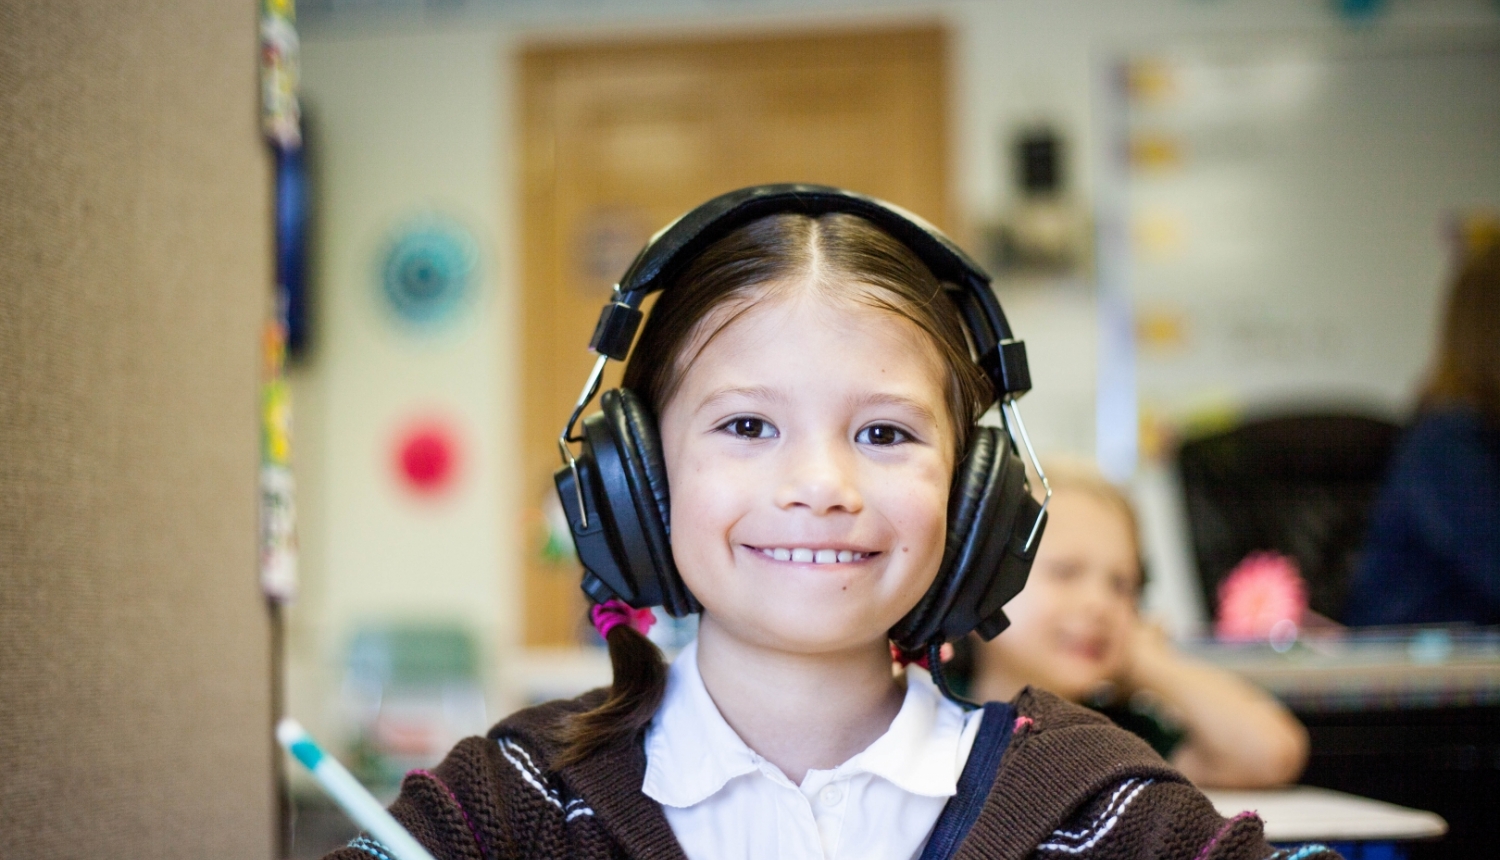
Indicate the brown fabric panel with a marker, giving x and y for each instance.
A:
(135, 269)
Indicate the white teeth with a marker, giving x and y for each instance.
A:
(820, 556)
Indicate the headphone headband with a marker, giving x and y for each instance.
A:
(694, 232)
(1002, 358)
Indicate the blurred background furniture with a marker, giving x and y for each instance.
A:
(1300, 485)
(1410, 717)
(1406, 716)
(410, 692)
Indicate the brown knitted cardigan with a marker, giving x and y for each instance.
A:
(1070, 785)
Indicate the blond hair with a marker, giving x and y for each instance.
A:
(1084, 477)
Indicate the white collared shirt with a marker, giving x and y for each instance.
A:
(725, 802)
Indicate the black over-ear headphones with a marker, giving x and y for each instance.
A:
(615, 491)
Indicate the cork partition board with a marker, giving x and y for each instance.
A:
(135, 274)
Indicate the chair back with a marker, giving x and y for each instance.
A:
(1301, 485)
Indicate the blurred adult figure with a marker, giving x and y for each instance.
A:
(1433, 550)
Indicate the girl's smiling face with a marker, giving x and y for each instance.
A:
(810, 453)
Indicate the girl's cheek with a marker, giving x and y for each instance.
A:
(921, 519)
(924, 488)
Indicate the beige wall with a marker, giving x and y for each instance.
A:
(416, 112)
(391, 145)
(134, 277)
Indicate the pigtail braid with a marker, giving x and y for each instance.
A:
(640, 680)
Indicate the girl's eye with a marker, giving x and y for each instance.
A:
(882, 434)
(751, 428)
(1123, 585)
(1064, 572)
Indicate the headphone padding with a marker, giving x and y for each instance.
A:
(988, 493)
(991, 559)
(969, 484)
(646, 472)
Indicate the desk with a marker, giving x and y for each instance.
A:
(1305, 814)
(1372, 670)
(1411, 717)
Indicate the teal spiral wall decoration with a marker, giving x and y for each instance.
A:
(429, 271)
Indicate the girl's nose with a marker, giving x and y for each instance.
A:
(820, 477)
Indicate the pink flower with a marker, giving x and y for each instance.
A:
(1262, 591)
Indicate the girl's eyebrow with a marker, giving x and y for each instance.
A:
(895, 400)
(767, 394)
(763, 393)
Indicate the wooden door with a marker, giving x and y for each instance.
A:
(619, 139)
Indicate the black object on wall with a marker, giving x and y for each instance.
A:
(1299, 485)
(295, 234)
(1039, 162)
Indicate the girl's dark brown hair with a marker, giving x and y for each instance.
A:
(1468, 359)
(837, 253)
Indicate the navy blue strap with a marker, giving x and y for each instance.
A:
(962, 809)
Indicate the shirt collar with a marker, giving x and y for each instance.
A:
(691, 752)
(923, 750)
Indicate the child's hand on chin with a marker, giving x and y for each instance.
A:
(1148, 653)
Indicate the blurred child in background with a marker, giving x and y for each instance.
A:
(1076, 631)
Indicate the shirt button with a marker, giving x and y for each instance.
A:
(830, 795)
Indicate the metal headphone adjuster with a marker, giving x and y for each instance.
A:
(1015, 411)
(585, 397)
(613, 334)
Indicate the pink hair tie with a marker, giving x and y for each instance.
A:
(614, 612)
(906, 658)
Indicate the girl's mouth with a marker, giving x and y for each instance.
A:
(805, 555)
(1089, 649)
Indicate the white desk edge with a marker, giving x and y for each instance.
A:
(1303, 813)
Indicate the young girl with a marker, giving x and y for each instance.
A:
(813, 388)
(1075, 631)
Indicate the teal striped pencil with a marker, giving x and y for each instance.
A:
(346, 791)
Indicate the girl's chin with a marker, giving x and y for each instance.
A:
(806, 632)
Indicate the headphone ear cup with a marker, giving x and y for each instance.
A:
(983, 564)
(639, 443)
(914, 631)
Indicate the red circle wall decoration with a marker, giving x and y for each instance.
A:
(427, 457)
